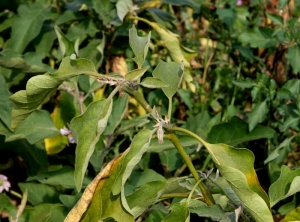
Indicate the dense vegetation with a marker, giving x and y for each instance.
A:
(162, 110)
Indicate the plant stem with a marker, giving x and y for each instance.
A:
(139, 97)
(170, 109)
(16, 194)
(205, 191)
(173, 195)
(179, 129)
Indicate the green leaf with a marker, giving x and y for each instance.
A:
(66, 46)
(227, 15)
(179, 212)
(136, 74)
(171, 159)
(258, 38)
(145, 196)
(247, 83)
(123, 7)
(294, 215)
(7, 206)
(214, 212)
(274, 154)
(88, 128)
(46, 213)
(293, 56)
(69, 200)
(189, 3)
(5, 104)
(237, 167)
(186, 141)
(37, 126)
(118, 112)
(139, 46)
(152, 83)
(171, 73)
(63, 177)
(105, 10)
(286, 185)
(39, 193)
(236, 131)
(258, 114)
(40, 87)
(275, 18)
(27, 25)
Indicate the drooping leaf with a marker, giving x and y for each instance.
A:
(88, 128)
(293, 56)
(139, 46)
(286, 185)
(27, 25)
(236, 165)
(258, 114)
(136, 74)
(152, 83)
(171, 73)
(236, 131)
(40, 87)
(37, 126)
(39, 193)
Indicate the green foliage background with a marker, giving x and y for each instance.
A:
(236, 83)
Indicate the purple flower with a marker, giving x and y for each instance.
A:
(66, 132)
(239, 2)
(4, 183)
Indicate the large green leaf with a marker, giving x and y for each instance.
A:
(236, 131)
(39, 193)
(179, 212)
(171, 73)
(63, 177)
(117, 114)
(258, 114)
(139, 45)
(286, 185)
(294, 215)
(46, 213)
(37, 126)
(28, 23)
(293, 56)
(40, 87)
(5, 104)
(145, 196)
(236, 165)
(88, 128)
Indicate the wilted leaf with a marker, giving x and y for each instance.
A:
(152, 82)
(139, 46)
(88, 128)
(34, 128)
(171, 73)
(286, 185)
